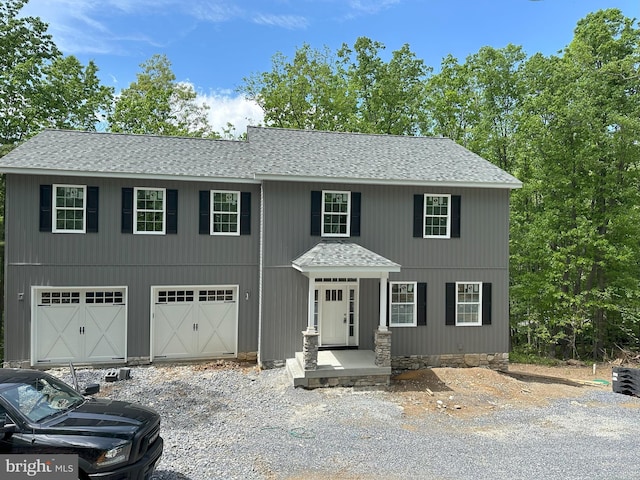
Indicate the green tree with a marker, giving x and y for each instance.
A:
(40, 88)
(157, 104)
(25, 50)
(451, 101)
(71, 95)
(576, 224)
(476, 103)
(351, 90)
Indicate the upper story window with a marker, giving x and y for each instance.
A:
(336, 209)
(69, 207)
(335, 213)
(225, 212)
(437, 216)
(149, 210)
(403, 304)
(468, 303)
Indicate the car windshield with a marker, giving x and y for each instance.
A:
(41, 398)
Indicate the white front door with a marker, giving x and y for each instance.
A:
(334, 324)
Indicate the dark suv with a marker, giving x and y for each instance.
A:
(40, 414)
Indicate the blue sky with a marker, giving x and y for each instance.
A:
(214, 44)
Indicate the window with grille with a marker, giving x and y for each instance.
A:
(403, 304)
(69, 207)
(468, 303)
(437, 219)
(335, 213)
(149, 210)
(225, 214)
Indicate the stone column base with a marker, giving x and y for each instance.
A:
(310, 350)
(383, 348)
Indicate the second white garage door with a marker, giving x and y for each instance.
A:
(194, 322)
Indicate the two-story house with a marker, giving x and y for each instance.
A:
(340, 254)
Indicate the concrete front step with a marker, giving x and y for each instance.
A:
(339, 368)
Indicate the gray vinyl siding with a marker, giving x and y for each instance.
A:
(480, 254)
(111, 258)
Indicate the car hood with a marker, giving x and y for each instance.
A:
(105, 415)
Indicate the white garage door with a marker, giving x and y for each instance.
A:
(85, 325)
(194, 322)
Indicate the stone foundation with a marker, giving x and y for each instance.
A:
(493, 361)
(356, 381)
(247, 357)
(270, 364)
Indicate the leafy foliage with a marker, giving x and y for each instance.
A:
(39, 88)
(351, 90)
(157, 104)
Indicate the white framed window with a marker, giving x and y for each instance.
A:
(225, 212)
(149, 210)
(403, 304)
(468, 303)
(336, 213)
(69, 208)
(437, 216)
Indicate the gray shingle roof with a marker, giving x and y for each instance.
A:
(268, 153)
(112, 154)
(343, 256)
(371, 158)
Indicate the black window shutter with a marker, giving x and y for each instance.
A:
(245, 213)
(127, 210)
(92, 209)
(451, 304)
(205, 198)
(172, 211)
(316, 213)
(418, 216)
(455, 216)
(355, 214)
(486, 304)
(422, 304)
(45, 208)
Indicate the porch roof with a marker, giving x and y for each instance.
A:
(341, 256)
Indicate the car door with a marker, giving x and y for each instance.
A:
(13, 442)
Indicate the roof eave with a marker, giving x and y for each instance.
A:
(352, 271)
(376, 181)
(127, 175)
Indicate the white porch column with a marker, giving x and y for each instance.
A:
(310, 304)
(383, 303)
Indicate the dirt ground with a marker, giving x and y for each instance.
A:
(478, 391)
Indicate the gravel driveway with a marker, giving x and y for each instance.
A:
(240, 423)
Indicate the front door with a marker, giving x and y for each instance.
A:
(334, 315)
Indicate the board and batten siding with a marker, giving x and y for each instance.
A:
(112, 258)
(386, 228)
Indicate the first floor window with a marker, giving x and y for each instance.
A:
(69, 208)
(403, 304)
(149, 211)
(468, 303)
(225, 217)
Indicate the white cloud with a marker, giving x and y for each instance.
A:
(225, 108)
(290, 22)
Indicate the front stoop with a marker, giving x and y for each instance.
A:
(342, 368)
